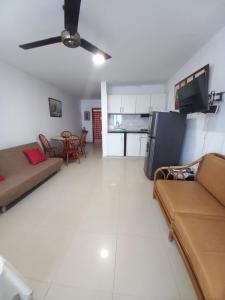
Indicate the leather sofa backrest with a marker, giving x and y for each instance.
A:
(211, 175)
(13, 160)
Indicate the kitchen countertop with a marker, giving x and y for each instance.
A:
(126, 131)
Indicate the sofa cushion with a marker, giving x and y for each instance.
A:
(211, 175)
(35, 156)
(187, 197)
(2, 178)
(203, 239)
(19, 183)
(13, 159)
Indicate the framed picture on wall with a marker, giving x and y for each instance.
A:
(55, 108)
(87, 116)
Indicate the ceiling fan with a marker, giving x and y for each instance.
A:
(69, 36)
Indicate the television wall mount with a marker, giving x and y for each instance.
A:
(215, 97)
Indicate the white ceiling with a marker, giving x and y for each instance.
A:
(149, 40)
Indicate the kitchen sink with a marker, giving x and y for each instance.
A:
(119, 129)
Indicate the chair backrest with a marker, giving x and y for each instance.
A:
(45, 143)
(211, 175)
(83, 137)
(72, 143)
(66, 134)
(74, 136)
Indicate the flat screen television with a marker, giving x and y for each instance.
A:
(193, 97)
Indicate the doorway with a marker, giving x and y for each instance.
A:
(97, 125)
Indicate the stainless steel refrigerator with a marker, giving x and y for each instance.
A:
(165, 140)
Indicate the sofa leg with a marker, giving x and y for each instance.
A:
(170, 235)
(3, 209)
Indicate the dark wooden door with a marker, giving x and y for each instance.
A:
(97, 125)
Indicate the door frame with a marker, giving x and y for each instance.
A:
(92, 112)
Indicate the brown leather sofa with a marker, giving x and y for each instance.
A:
(20, 175)
(195, 213)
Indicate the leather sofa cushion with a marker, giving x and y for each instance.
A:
(211, 175)
(187, 197)
(203, 239)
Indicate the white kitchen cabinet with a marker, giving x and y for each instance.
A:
(115, 144)
(143, 104)
(136, 144)
(133, 144)
(136, 104)
(158, 102)
(143, 144)
(128, 104)
(114, 104)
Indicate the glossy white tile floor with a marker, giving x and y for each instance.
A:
(93, 232)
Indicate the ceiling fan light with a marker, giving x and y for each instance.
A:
(98, 59)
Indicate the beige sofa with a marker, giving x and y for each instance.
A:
(195, 212)
(20, 175)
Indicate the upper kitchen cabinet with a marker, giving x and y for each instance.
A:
(128, 104)
(114, 104)
(143, 104)
(158, 102)
(136, 104)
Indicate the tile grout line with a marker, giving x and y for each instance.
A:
(116, 250)
(170, 259)
(114, 276)
(46, 293)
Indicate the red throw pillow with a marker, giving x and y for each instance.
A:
(35, 156)
(2, 178)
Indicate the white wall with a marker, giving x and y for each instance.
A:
(104, 118)
(24, 108)
(136, 89)
(204, 133)
(87, 105)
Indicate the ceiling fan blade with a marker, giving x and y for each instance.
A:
(93, 49)
(53, 40)
(71, 13)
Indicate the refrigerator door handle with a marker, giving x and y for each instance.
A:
(155, 124)
(147, 147)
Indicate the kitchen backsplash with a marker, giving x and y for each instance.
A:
(129, 122)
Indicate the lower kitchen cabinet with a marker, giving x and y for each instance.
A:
(143, 144)
(115, 144)
(136, 144)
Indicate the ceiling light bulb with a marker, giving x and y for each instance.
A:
(104, 253)
(98, 59)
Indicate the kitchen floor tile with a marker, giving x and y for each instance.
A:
(143, 269)
(39, 288)
(59, 292)
(89, 263)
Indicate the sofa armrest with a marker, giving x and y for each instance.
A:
(176, 171)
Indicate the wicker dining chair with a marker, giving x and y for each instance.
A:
(71, 149)
(48, 149)
(83, 141)
(66, 134)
